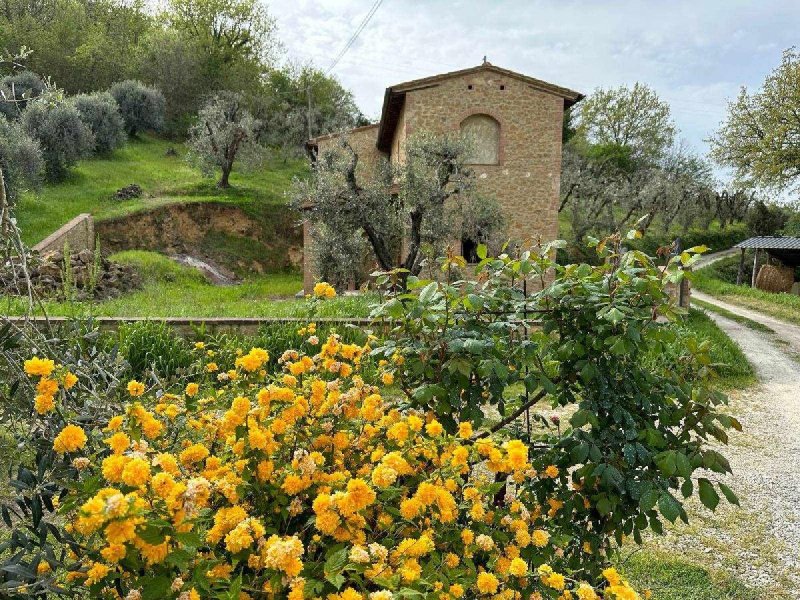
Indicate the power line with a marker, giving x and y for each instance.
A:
(355, 35)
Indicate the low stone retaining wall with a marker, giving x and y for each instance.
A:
(189, 326)
(78, 234)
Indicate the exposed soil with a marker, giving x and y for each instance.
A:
(220, 234)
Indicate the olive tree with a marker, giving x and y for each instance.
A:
(100, 112)
(20, 159)
(17, 90)
(406, 211)
(63, 136)
(225, 130)
(142, 107)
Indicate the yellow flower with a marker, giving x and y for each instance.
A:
(192, 389)
(324, 290)
(44, 404)
(551, 471)
(119, 442)
(136, 472)
(434, 428)
(387, 378)
(70, 438)
(540, 538)
(465, 430)
(193, 454)
(487, 583)
(39, 366)
(518, 567)
(135, 388)
(283, 554)
(69, 381)
(96, 573)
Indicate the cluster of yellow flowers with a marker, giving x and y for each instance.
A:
(324, 290)
(48, 386)
(306, 483)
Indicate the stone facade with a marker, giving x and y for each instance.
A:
(518, 120)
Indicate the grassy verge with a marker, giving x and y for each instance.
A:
(749, 323)
(712, 280)
(173, 290)
(729, 362)
(164, 180)
(671, 578)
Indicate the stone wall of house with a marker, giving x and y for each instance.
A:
(527, 177)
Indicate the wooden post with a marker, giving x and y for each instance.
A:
(755, 269)
(740, 274)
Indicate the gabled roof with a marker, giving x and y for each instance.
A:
(394, 97)
(786, 249)
(771, 243)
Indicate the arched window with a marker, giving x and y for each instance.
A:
(483, 132)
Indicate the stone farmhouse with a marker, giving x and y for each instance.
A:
(515, 122)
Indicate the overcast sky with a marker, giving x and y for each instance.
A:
(695, 53)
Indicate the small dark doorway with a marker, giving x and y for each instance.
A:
(469, 250)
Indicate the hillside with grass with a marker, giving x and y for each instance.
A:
(165, 178)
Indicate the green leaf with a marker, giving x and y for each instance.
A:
(669, 507)
(728, 493)
(649, 499)
(155, 588)
(708, 495)
(481, 251)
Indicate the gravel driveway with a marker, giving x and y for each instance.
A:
(759, 543)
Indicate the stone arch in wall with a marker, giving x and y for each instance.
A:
(483, 131)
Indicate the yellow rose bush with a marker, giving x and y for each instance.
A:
(306, 482)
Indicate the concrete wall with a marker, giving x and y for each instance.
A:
(78, 233)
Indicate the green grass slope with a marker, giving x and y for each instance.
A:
(173, 290)
(164, 180)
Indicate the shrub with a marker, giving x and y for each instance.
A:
(634, 433)
(99, 111)
(152, 347)
(20, 158)
(62, 134)
(303, 482)
(141, 107)
(17, 90)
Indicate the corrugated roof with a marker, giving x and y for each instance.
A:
(771, 243)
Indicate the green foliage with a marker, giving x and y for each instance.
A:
(759, 137)
(20, 159)
(714, 238)
(421, 200)
(731, 368)
(17, 90)
(62, 135)
(635, 118)
(141, 107)
(765, 220)
(640, 429)
(153, 348)
(100, 112)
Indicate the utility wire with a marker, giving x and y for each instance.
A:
(355, 35)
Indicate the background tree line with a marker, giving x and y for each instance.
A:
(188, 49)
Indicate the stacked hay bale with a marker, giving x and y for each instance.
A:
(775, 278)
